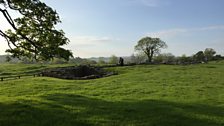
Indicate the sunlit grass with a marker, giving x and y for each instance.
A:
(144, 95)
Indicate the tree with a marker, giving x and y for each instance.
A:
(218, 57)
(150, 46)
(8, 58)
(199, 57)
(138, 58)
(101, 60)
(209, 54)
(33, 34)
(132, 59)
(184, 59)
(167, 58)
(113, 59)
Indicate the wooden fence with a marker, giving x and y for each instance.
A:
(14, 77)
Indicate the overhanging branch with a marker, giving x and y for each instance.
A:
(10, 21)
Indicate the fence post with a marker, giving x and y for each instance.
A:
(1, 78)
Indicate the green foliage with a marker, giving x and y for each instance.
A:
(34, 34)
(101, 60)
(144, 95)
(113, 60)
(165, 58)
(209, 53)
(8, 58)
(81, 61)
(199, 56)
(184, 59)
(218, 57)
(150, 46)
(138, 58)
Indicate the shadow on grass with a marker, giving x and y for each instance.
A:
(75, 110)
(18, 114)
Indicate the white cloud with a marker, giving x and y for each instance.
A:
(90, 40)
(167, 33)
(85, 46)
(103, 52)
(95, 46)
(215, 27)
(170, 33)
(190, 40)
(150, 3)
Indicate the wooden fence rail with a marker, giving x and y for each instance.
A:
(19, 76)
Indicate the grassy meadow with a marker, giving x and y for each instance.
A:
(142, 95)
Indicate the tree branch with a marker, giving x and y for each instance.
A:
(10, 21)
(13, 8)
(7, 39)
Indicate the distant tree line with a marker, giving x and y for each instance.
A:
(113, 60)
(147, 52)
(205, 56)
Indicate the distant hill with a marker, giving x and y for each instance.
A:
(77, 59)
(3, 59)
(107, 59)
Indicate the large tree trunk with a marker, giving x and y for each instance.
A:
(149, 58)
(150, 55)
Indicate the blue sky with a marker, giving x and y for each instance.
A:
(105, 27)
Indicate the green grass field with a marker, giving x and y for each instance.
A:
(145, 95)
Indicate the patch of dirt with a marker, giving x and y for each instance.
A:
(77, 73)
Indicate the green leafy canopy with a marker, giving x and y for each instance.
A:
(150, 46)
(33, 34)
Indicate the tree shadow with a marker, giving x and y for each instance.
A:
(69, 110)
(28, 114)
